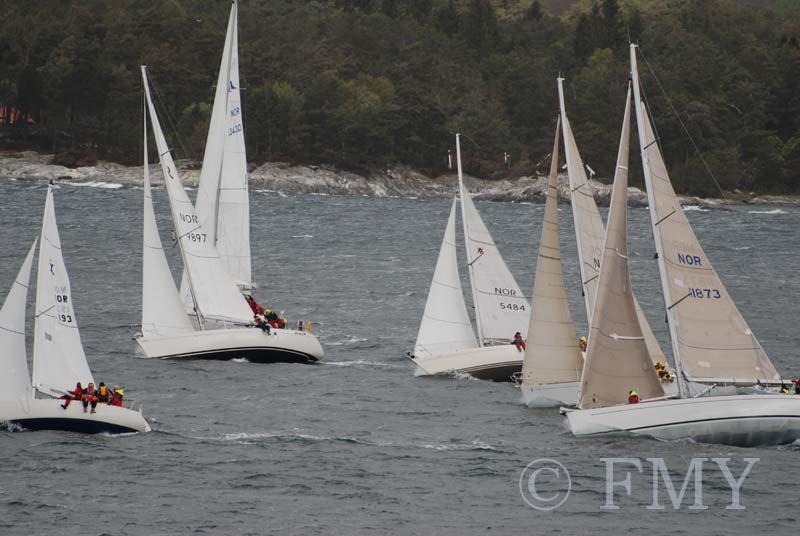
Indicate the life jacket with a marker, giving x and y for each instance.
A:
(633, 399)
(103, 394)
(116, 399)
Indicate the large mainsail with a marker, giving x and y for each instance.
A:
(617, 359)
(15, 380)
(214, 292)
(711, 341)
(500, 307)
(553, 354)
(162, 310)
(445, 327)
(58, 357)
(590, 231)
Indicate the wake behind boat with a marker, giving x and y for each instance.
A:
(446, 342)
(58, 356)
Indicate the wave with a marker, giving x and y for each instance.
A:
(97, 184)
(360, 363)
(306, 236)
(240, 360)
(773, 211)
(694, 208)
(352, 340)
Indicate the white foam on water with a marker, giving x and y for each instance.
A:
(773, 211)
(97, 184)
(694, 208)
(306, 236)
(240, 360)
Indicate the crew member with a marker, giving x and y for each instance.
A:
(633, 397)
(116, 396)
(75, 394)
(785, 389)
(89, 396)
(258, 320)
(518, 342)
(797, 385)
(583, 344)
(103, 394)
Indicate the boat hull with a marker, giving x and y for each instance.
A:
(47, 414)
(550, 396)
(743, 420)
(279, 346)
(495, 363)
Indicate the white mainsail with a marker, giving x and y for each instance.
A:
(553, 354)
(162, 309)
(711, 341)
(500, 307)
(58, 357)
(15, 381)
(445, 326)
(590, 231)
(617, 359)
(214, 292)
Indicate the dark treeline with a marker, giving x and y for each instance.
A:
(364, 83)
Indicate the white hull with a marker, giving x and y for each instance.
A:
(47, 414)
(743, 420)
(280, 345)
(497, 363)
(550, 396)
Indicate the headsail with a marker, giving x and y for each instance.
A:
(445, 327)
(711, 341)
(58, 357)
(162, 310)
(617, 359)
(500, 307)
(590, 231)
(15, 381)
(214, 292)
(553, 354)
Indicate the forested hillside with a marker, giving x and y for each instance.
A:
(363, 83)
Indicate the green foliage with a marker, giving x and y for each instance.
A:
(363, 83)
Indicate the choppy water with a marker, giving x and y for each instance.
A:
(358, 445)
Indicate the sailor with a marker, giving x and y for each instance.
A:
(785, 389)
(300, 326)
(75, 394)
(116, 396)
(103, 394)
(633, 397)
(258, 320)
(89, 396)
(796, 386)
(518, 342)
(583, 344)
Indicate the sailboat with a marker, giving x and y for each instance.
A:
(553, 361)
(59, 360)
(714, 349)
(446, 342)
(224, 318)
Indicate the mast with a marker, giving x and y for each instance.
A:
(683, 390)
(462, 193)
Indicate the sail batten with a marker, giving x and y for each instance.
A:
(710, 337)
(617, 358)
(445, 326)
(552, 354)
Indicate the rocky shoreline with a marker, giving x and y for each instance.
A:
(397, 181)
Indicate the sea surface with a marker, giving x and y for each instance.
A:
(357, 444)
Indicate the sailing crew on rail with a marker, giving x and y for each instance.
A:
(116, 396)
(519, 342)
(633, 397)
(89, 396)
(796, 383)
(583, 343)
(75, 394)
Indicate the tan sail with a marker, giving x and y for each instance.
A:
(553, 354)
(710, 337)
(590, 231)
(617, 359)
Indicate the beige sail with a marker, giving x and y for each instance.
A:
(553, 354)
(617, 359)
(710, 338)
(590, 231)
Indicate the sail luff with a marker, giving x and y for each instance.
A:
(617, 359)
(15, 380)
(710, 337)
(445, 326)
(553, 354)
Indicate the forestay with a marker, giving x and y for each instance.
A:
(710, 338)
(617, 359)
(590, 231)
(552, 354)
(162, 310)
(445, 327)
(500, 307)
(58, 357)
(15, 381)
(213, 290)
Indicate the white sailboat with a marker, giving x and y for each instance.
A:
(551, 370)
(446, 342)
(713, 346)
(59, 360)
(224, 317)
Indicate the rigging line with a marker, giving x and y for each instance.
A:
(172, 123)
(683, 125)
